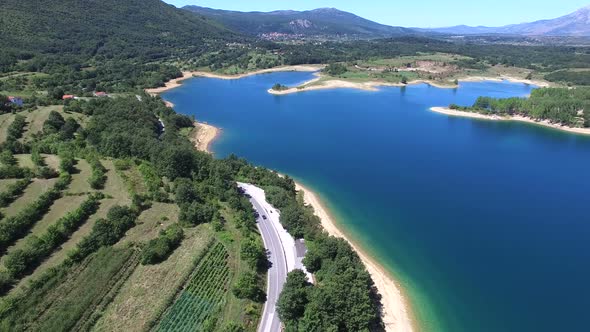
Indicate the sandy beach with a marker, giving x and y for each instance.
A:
(395, 308)
(541, 84)
(203, 135)
(374, 85)
(520, 118)
(342, 84)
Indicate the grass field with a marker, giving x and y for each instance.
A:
(67, 301)
(5, 121)
(234, 309)
(151, 222)
(151, 288)
(133, 180)
(32, 192)
(24, 160)
(5, 183)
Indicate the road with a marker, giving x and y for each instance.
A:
(277, 274)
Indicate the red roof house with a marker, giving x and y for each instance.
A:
(66, 97)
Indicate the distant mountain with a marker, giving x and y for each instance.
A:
(318, 22)
(576, 24)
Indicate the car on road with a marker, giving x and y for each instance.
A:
(264, 217)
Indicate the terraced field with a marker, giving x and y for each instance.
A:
(116, 194)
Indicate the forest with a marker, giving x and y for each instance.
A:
(569, 107)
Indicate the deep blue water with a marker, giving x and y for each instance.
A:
(485, 224)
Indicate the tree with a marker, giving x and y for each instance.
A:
(294, 297)
(254, 253)
(54, 123)
(7, 158)
(247, 287)
(185, 192)
(404, 80)
(196, 213)
(335, 69)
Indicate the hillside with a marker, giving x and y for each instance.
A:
(576, 24)
(103, 28)
(323, 22)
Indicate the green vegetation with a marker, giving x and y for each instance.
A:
(13, 192)
(13, 228)
(203, 296)
(178, 211)
(570, 77)
(335, 69)
(157, 250)
(21, 261)
(98, 177)
(568, 107)
(280, 87)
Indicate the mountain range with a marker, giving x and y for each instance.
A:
(576, 24)
(333, 22)
(318, 22)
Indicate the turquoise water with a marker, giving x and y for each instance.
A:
(485, 224)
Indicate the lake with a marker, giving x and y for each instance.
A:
(485, 224)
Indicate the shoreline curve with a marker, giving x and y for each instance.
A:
(395, 311)
(518, 118)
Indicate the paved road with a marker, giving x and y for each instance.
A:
(277, 274)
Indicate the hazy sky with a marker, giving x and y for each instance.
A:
(416, 13)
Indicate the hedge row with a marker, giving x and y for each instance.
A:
(13, 191)
(19, 262)
(13, 228)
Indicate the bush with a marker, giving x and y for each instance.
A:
(196, 213)
(158, 250)
(335, 69)
(106, 232)
(16, 128)
(13, 191)
(98, 177)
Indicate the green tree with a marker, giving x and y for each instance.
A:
(248, 287)
(294, 297)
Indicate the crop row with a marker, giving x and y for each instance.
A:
(202, 296)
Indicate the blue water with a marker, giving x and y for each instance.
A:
(485, 224)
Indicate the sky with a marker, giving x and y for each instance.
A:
(416, 13)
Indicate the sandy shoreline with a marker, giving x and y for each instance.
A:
(203, 135)
(395, 308)
(375, 85)
(520, 118)
(174, 83)
(342, 84)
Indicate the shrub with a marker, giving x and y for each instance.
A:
(158, 250)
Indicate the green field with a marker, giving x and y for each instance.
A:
(202, 297)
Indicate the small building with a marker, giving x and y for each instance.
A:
(68, 97)
(100, 94)
(16, 101)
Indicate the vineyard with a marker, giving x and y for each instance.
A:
(203, 296)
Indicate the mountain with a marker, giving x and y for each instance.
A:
(576, 24)
(147, 28)
(318, 22)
